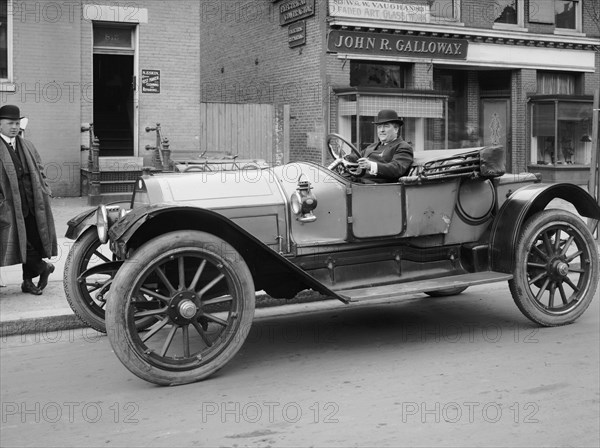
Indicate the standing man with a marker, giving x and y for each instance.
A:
(27, 232)
(390, 157)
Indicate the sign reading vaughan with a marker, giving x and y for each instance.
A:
(367, 9)
(343, 41)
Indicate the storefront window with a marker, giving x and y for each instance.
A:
(453, 83)
(561, 131)
(3, 39)
(377, 75)
(424, 117)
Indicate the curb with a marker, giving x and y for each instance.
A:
(44, 319)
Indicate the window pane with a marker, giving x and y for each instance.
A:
(3, 39)
(442, 8)
(542, 131)
(541, 11)
(552, 83)
(376, 75)
(565, 14)
(112, 37)
(574, 119)
(506, 11)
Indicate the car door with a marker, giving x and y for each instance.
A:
(377, 210)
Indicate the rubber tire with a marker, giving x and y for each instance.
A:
(87, 241)
(519, 283)
(132, 272)
(447, 292)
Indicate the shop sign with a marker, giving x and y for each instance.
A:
(374, 10)
(150, 81)
(297, 34)
(341, 41)
(293, 10)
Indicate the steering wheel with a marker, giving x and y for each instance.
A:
(340, 163)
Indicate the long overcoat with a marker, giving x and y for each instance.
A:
(13, 238)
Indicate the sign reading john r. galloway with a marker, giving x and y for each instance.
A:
(339, 41)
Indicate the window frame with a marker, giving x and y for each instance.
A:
(9, 49)
(533, 4)
(557, 159)
(456, 14)
(520, 25)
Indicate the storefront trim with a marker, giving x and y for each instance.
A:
(508, 57)
(458, 31)
(494, 55)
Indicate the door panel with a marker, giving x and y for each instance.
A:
(496, 125)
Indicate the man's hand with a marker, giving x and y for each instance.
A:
(364, 163)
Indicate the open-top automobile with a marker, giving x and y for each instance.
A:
(176, 290)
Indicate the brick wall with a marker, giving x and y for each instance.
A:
(523, 84)
(169, 42)
(46, 69)
(255, 64)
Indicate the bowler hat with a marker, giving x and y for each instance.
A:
(10, 112)
(388, 116)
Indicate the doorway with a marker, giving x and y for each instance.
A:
(113, 104)
(496, 125)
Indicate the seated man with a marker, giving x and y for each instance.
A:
(391, 157)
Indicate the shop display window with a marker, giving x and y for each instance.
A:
(561, 128)
(425, 116)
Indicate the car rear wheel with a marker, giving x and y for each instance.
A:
(556, 268)
(201, 292)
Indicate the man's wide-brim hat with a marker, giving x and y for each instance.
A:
(388, 116)
(10, 112)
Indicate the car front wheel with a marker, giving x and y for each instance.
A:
(556, 268)
(201, 292)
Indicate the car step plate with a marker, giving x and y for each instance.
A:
(415, 287)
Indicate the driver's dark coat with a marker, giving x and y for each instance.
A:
(393, 160)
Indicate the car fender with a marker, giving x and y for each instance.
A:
(87, 218)
(77, 224)
(522, 204)
(143, 224)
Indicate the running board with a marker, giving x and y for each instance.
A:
(435, 284)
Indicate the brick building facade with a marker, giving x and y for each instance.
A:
(122, 66)
(352, 59)
(125, 66)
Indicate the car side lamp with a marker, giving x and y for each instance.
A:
(304, 201)
(106, 216)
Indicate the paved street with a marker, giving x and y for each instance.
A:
(461, 371)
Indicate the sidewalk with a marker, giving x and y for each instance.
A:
(25, 313)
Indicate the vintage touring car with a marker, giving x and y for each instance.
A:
(185, 261)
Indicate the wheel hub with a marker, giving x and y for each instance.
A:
(562, 268)
(182, 308)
